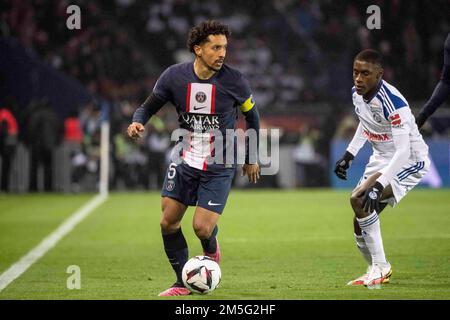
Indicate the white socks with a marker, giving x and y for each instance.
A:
(361, 245)
(371, 233)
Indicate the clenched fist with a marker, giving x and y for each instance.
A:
(135, 130)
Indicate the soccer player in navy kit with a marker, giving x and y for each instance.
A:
(206, 94)
(442, 90)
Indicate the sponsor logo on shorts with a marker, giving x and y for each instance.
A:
(210, 203)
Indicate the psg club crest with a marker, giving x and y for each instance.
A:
(170, 185)
(200, 97)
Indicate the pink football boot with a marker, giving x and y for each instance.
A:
(175, 291)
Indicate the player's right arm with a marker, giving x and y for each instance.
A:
(143, 113)
(342, 165)
(160, 95)
(440, 93)
(358, 141)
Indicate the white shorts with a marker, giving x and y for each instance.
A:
(406, 179)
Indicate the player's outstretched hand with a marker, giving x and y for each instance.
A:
(372, 198)
(135, 130)
(252, 171)
(343, 164)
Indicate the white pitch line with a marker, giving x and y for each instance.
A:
(35, 254)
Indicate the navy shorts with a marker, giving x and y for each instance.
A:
(191, 186)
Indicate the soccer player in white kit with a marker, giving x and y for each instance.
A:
(399, 160)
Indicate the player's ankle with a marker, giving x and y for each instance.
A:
(178, 284)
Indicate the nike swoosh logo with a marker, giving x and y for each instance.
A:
(213, 204)
(198, 108)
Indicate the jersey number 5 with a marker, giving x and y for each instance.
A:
(172, 171)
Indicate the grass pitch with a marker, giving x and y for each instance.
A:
(275, 245)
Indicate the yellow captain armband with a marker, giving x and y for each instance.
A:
(248, 104)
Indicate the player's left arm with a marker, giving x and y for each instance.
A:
(244, 98)
(251, 114)
(401, 123)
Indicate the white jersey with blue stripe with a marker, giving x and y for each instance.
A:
(385, 115)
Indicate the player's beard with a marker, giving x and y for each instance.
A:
(213, 69)
(208, 66)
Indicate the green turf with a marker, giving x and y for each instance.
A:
(26, 219)
(275, 245)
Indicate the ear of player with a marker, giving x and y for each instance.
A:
(372, 198)
(343, 164)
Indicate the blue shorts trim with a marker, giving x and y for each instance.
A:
(413, 169)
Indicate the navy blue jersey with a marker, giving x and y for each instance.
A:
(204, 105)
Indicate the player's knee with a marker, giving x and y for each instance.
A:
(355, 201)
(168, 226)
(202, 230)
(164, 224)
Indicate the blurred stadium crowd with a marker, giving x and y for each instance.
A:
(297, 56)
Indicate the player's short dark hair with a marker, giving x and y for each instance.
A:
(370, 55)
(199, 34)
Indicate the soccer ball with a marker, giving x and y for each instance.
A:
(201, 274)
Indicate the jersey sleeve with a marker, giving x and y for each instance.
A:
(447, 51)
(391, 101)
(440, 94)
(400, 121)
(162, 86)
(358, 141)
(441, 91)
(244, 95)
(401, 124)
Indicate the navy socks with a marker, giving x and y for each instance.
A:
(177, 251)
(210, 245)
